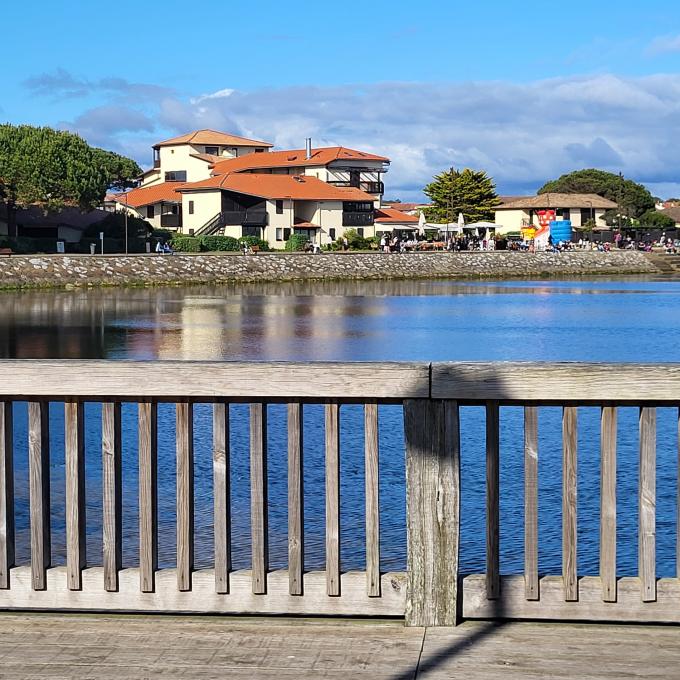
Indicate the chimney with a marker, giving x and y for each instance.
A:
(308, 147)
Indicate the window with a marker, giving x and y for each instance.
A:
(279, 207)
(564, 213)
(331, 233)
(286, 233)
(360, 231)
(191, 207)
(251, 231)
(259, 150)
(353, 206)
(213, 150)
(176, 176)
(149, 211)
(279, 234)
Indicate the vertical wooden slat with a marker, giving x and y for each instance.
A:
(432, 433)
(39, 483)
(258, 497)
(372, 499)
(647, 507)
(112, 494)
(332, 431)
(531, 583)
(493, 580)
(222, 497)
(148, 495)
(184, 435)
(74, 458)
(6, 493)
(608, 503)
(569, 536)
(296, 551)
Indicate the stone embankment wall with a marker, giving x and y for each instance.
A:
(37, 271)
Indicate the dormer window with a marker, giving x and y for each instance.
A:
(212, 150)
(176, 176)
(259, 150)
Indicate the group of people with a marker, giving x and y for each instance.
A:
(163, 248)
(401, 244)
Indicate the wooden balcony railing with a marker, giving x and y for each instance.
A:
(432, 396)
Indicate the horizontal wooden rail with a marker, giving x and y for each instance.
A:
(204, 380)
(505, 382)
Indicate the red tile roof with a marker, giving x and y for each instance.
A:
(298, 187)
(294, 158)
(165, 191)
(212, 138)
(387, 215)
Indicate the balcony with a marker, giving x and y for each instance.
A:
(357, 219)
(373, 187)
(251, 218)
(368, 187)
(172, 220)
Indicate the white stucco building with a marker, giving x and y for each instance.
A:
(209, 182)
(519, 212)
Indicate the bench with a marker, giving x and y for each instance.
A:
(6, 252)
(254, 249)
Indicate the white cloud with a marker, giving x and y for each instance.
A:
(664, 43)
(522, 134)
(220, 94)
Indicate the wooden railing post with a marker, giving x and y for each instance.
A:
(6, 492)
(432, 511)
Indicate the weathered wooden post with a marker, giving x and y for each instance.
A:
(432, 511)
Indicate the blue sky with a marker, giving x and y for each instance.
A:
(524, 90)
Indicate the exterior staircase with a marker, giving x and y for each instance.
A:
(666, 264)
(214, 226)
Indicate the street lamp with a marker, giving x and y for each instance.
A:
(126, 222)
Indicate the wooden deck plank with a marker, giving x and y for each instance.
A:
(184, 435)
(148, 494)
(647, 505)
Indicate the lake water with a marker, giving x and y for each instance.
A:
(600, 320)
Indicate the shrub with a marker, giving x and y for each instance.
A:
(219, 243)
(296, 242)
(354, 241)
(186, 244)
(254, 241)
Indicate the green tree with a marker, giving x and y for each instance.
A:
(471, 192)
(54, 168)
(656, 220)
(633, 198)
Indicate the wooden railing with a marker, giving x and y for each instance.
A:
(431, 592)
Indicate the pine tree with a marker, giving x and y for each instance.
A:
(471, 192)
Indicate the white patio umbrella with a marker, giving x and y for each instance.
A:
(421, 223)
(461, 222)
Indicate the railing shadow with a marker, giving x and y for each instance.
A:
(462, 641)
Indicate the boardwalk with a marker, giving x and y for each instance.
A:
(59, 646)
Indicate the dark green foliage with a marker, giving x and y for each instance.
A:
(296, 242)
(471, 192)
(113, 226)
(354, 241)
(219, 244)
(633, 198)
(54, 168)
(186, 244)
(254, 241)
(657, 220)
